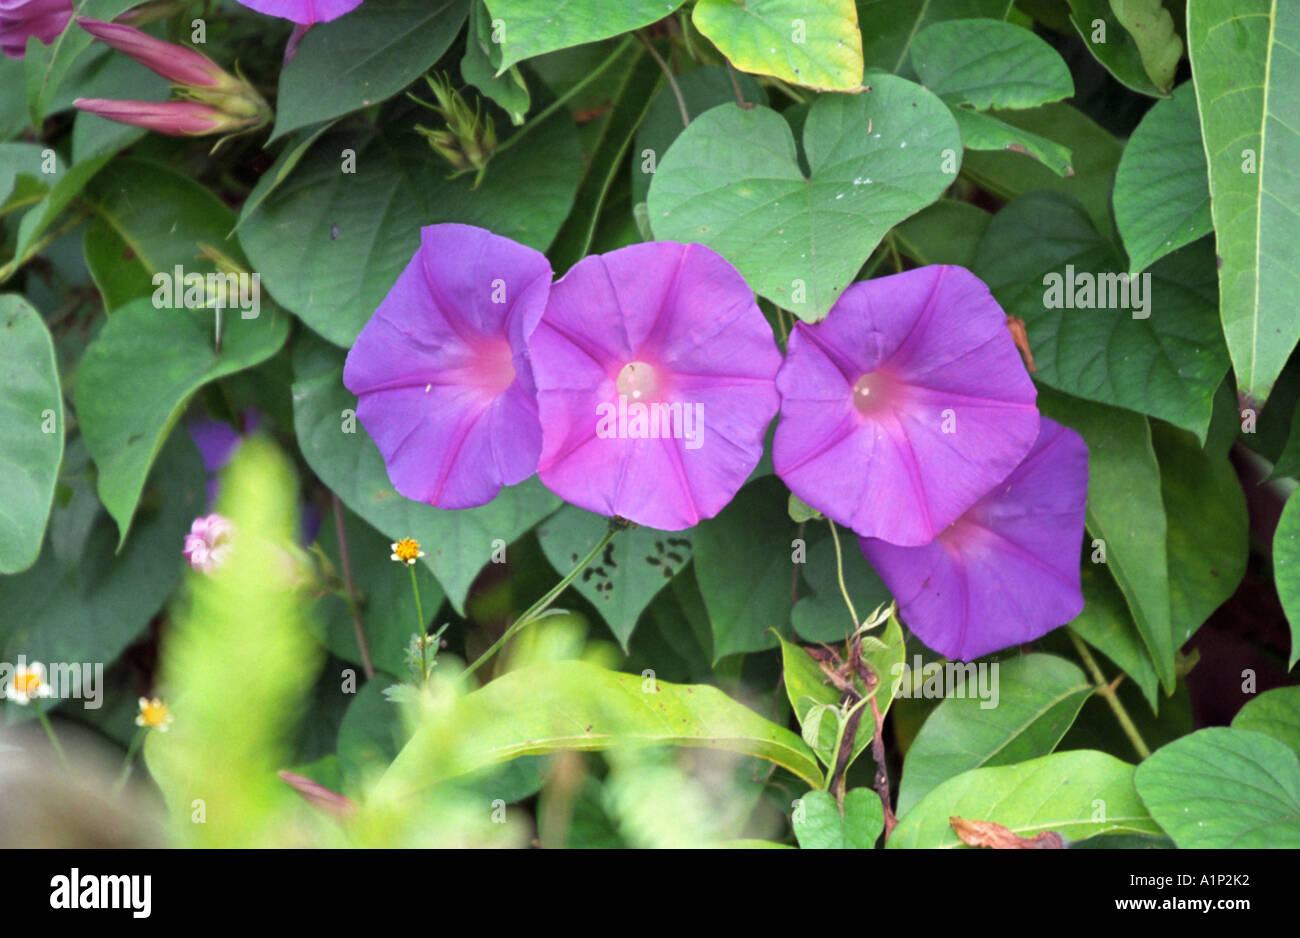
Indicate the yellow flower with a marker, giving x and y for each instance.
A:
(154, 714)
(27, 683)
(407, 551)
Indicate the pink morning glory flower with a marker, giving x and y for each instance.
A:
(904, 406)
(44, 19)
(441, 370)
(208, 543)
(655, 373)
(305, 12)
(1006, 571)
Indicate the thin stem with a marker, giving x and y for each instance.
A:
(8, 270)
(735, 86)
(424, 631)
(898, 261)
(1108, 692)
(130, 757)
(560, 101)
(54, 740)
(786, 90)
(537, 608)
(839, 573)
(345, 561)
(672, 79)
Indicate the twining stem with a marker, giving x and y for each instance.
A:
(672, 79)
(839, 573)
(1107, 691)
(130, 757)
(537, 608)
(345, 561)
(560, 101)
(424, 631)
(17, 261)
(49, 731)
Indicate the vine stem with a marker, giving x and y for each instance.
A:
(345, 561)
(839, 573)
(54, 740)
(1108, 692)
(424, 631)
(130, 756)
(672, 79)
(537, 608)
(562, 99)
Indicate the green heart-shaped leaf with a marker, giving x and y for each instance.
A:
(733, 181)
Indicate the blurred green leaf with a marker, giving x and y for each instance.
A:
(31, 431)
(573, 705)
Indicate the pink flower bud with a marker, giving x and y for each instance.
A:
(176, 118)
(179, 64)
(44, 19)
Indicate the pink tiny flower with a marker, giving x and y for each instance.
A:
(179, 64)
(19, 19)
(208, 543)
(175, 118)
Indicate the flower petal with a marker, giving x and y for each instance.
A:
(953, 410)
(1007, 571)
(671, 307)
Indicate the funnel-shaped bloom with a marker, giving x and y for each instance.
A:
(655, 384)
(442, 368)
(904, 406)
(305, 12)
(1007, 571)
(44, 19)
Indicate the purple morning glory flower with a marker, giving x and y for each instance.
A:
(441, 369)
(904, 406)
(1006, 571)
(44, 19)
(655, 373)
(305, 12)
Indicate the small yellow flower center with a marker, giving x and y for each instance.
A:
(154, 712)
(27, 682)
(407, 549)
(873, 391)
